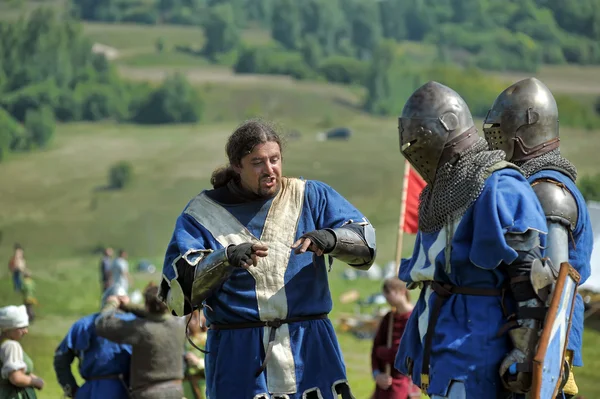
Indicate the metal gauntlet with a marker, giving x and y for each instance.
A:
(196, 283)
(355, 244)
(531, 283)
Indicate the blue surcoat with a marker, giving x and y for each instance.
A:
(98, 357)
(306, 355)
(465, 344)
(580, 254)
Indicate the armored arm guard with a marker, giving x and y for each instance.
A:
(531, 282)
(354, 244)
(561, 212)
(197, 282)
(62, 368)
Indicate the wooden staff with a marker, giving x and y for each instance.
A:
(402, 212)
(390, 331)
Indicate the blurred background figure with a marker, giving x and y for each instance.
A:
(16, 265)
(389, 383)
(194, 359)
(120, 271)
(28, 291)
(157, 341)
(17, 380)
(105, 268)
(103, 364)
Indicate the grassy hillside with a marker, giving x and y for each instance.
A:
(53, 202)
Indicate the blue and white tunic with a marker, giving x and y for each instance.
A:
(465, 346)
(580, 254)
(306, 355)
(98, 357)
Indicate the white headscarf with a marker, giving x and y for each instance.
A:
(12, 317)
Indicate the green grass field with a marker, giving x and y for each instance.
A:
(52, 201)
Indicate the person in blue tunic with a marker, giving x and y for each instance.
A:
(103, 364)
(523, 122)
(481, 234)
(255, 252)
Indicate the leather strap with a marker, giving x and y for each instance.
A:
(104, 377)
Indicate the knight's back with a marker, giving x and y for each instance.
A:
(474, 212)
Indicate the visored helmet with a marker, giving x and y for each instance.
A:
(436, 123)
(523, 121)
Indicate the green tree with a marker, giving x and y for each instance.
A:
(311, 50)
(286, 24)
(366, 29)
(222, 36)
(40, 125)
(175, 101)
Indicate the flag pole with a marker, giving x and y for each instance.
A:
(390, 330)
(402, 212)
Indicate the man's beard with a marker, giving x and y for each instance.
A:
(269, 192)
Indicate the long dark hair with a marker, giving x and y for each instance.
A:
(241, 143)
(153, 304)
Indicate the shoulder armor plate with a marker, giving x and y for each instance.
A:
(557, 201)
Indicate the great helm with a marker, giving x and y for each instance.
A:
(524, 121)
(435, 125)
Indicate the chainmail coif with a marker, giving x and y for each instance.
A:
(456, 187)
(550, 160)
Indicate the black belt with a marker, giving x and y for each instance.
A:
(445, 291)
(274, 324)
(104, 377)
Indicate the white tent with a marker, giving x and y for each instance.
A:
(593, 283)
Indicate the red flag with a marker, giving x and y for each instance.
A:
(413, 185)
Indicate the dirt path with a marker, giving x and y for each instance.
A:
(226, 76)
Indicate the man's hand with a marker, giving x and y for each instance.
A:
(514, 380)
(123, 299)
(113, 299)
(192, 359)
(246, 254)
(318, 241)
(383, 381)
(37, 382)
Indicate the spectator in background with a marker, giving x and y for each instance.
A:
(103, 364)
(390, 384)
(194, 360)
(157, 341)
(16, 265)
(120, 271)
(28, 290)
(105, 268)
(16, 379)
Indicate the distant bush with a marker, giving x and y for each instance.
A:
(11, 132)
(175, 101)
(340, 69)
(40, 125)
(272, 60)
(120, 175)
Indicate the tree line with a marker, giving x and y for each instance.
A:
(358, 42)
(49, 72)
(489, 34)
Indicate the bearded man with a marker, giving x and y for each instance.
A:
(252, 250)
